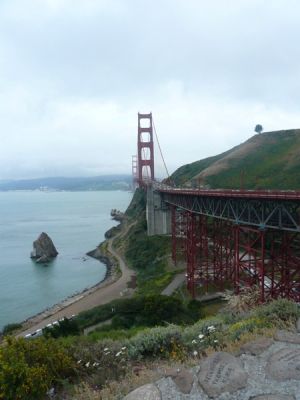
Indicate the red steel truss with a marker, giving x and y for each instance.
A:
(221, 253)
(249, 255)
(283, 266)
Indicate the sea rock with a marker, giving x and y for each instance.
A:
(43, 249)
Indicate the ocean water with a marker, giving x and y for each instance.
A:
(75, 221)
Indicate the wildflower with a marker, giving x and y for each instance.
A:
(201, 336)
(211, 328)
(194, 341)
(118, 353)
(79, 361)
(106, 354)
(87, 364)
(216, 341)
(124, 348)
(106, 349)
(195, 353)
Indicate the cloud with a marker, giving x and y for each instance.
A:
(75, 73)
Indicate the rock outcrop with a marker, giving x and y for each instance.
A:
(43, 249)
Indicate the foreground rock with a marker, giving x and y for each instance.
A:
(265, 369)
(43, 249)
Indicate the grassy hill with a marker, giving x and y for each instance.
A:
(266, 161)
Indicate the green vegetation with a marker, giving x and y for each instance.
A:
(265, 161)
(189, 171)
(148, 256)
(10, 328)
(140, 311)
(66, 327)
(28, 368)
(137, 206)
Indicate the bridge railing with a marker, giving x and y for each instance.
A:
(259, 194)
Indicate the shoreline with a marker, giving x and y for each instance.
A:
(110, 277)
(113, 285)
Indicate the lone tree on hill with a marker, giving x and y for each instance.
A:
(258, 128)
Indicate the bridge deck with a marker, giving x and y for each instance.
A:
(232, 193)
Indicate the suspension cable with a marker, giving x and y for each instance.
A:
(160, 149)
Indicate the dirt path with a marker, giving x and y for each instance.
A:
(99, 296)
(176, 282)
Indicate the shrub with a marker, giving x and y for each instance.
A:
(279, 312)
(155, 342)
(191, 332)
(10, 328)
(65, 327)
(28, 368)
(102, 361)
(235, 331)
(206, 333)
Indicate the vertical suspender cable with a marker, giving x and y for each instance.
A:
(160, 149)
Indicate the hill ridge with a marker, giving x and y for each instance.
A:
(269, 160)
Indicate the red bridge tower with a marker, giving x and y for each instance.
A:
(145, 157)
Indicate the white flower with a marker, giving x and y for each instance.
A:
(201, 336)
(194, 341)
(106, 349)
(211, 328)
(123, 348)
(118, 353)
(87, 364)
(79, 361)
(215, 341)
(106, 354)
(195, 353)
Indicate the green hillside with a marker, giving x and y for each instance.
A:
(266, 161)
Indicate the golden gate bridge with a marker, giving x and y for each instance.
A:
(241, 238)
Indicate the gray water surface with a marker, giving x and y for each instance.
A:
(75, 221)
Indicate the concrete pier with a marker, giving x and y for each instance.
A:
(158, 214)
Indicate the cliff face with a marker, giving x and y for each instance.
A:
(266, 161)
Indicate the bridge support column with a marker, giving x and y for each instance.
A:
(191, 252)
(222, 252)
(283, 266)
(158, 214)
(249, 258)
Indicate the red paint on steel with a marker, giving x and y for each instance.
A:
(230, 193)
(145, 149)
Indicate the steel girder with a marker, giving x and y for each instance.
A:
(282, 267)
(262, 213)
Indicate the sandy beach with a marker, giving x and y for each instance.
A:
(111, 288)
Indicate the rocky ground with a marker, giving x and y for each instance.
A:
(265, 369)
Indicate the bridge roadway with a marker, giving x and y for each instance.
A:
(261, 208)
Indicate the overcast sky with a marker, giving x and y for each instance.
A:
(74, 74)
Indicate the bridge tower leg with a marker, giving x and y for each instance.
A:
(145, 157)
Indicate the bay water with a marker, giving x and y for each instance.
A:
(75, 221)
